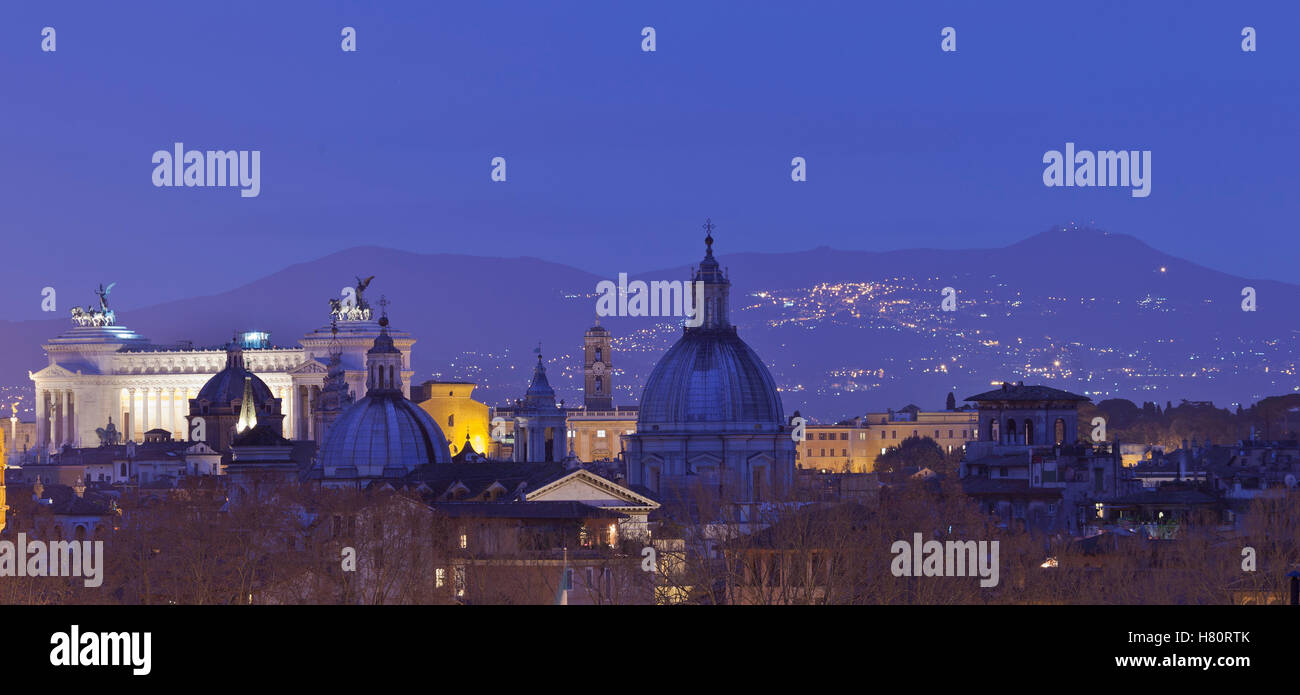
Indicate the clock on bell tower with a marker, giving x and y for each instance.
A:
(597, 369)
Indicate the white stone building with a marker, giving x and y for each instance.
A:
(99, 370)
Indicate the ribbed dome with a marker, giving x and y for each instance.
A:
(382, 435)
(710, 376)
(228, 384)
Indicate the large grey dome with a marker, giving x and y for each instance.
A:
(710, 376)
(382, 436)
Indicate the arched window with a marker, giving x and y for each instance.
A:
(1011, 431)
(451, 420)
(1060, 430)
(599, 353)
(600, 384)
(1029, 431)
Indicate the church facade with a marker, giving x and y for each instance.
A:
(100, 371)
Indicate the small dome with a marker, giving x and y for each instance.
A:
(382, 436)
(710, 377)
(227, 385)
(384, 343)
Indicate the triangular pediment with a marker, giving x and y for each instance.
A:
(54, 371)
(585, 486)
(704, 459)
(309, 367)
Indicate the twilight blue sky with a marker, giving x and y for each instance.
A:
(615, 156)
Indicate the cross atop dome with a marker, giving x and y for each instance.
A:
(708, 237)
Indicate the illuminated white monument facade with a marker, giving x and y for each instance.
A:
(100, 370)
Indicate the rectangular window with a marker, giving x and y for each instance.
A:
(440, 577)
(844, 452)
(844, 435)
(600, 434)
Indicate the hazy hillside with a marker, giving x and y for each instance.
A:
(843, 331)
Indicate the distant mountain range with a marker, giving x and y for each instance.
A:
(844, 331)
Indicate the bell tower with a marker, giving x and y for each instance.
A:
(597, 369)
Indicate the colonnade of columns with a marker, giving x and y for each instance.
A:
(155, 407)
(56, 419)
(140, 409)
(302, 408)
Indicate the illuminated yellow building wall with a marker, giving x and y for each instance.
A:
(854, 448)
(450, 405)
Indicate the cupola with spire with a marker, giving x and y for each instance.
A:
(383, 360)
(541, 432)
(717, 288)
